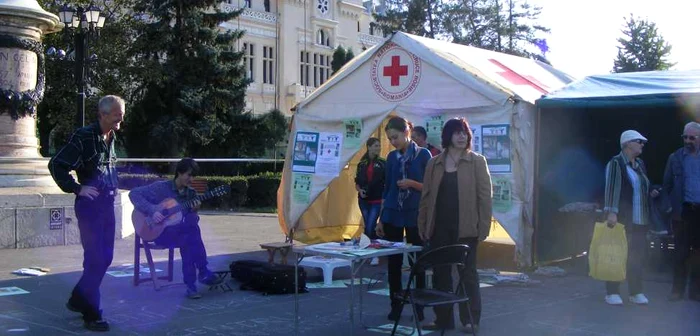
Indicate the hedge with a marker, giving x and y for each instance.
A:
(257, 191)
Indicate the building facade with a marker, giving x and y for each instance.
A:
(289, 45)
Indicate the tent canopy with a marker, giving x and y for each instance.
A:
(421, 80)
(657, 88)
(580, 127)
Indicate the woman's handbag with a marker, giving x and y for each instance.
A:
(607, 256)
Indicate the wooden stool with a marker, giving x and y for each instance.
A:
(272, 248)
(147, 247)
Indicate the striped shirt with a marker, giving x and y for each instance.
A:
(640, 189)
(92, 158)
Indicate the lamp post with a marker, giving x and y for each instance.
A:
(84, 24)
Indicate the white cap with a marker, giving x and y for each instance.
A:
(630, 135)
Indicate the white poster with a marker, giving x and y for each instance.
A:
(496, 147)
(329, 148)
(476, 138)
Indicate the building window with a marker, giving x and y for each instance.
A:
(249, 60)
(248, 3)
(322, 69)
(304, 69)
(371, 28)
(267, 5)
(323, 38)
(268, 65)
(358, 26)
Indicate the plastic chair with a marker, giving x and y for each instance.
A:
(445, 256)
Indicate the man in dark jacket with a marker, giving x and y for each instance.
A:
(682, 184)
(90, 153)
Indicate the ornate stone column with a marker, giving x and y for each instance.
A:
(22, 24)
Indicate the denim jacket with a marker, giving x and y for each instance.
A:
(674, 183)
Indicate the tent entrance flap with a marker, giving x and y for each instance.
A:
(335, 214)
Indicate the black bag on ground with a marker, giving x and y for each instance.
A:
(267, 278)
(242, 270)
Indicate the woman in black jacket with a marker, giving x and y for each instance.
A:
(369, 183)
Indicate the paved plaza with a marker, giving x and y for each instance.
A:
(571, 305)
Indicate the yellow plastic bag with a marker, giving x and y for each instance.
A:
(607, 256)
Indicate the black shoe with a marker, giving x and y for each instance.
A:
(97, 325)
(73, 308)
(394, 314)
(208, 278)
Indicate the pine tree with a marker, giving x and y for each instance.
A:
(418, 17)
(349, 55)
(508, 26)
(338, 61)
(189, 98)
(642, 48)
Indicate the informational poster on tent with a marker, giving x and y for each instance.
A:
(495, 140)
(502, 193)
(433, 126)
(353, 133)
(305, 152)
(301, 187)
(329, 148)
(476, 138)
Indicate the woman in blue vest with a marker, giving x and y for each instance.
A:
(627, 202)
(405, 167)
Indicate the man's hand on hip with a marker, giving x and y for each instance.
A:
(88, 191)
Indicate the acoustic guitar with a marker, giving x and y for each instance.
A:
(171, 210)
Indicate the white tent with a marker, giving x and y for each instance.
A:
(426, 81)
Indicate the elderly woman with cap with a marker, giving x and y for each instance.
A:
(627, 201)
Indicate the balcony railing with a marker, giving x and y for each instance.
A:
(264, 17)
(368, 39)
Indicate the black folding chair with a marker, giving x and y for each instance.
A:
(445, 256)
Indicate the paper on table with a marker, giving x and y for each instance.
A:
(364, 241)
(360, 252)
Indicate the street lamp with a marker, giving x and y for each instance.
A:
(84, 24)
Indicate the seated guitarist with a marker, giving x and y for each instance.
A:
(185, 235)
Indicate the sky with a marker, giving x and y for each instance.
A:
(584, 33)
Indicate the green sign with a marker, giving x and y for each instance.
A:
(301, 188)
(353, 133)
(433, 127)
(502, 194)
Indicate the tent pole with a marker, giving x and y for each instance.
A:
(296, 283)
(536, 189)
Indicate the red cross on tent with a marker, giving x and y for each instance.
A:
(395, 71)
(518, 79)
